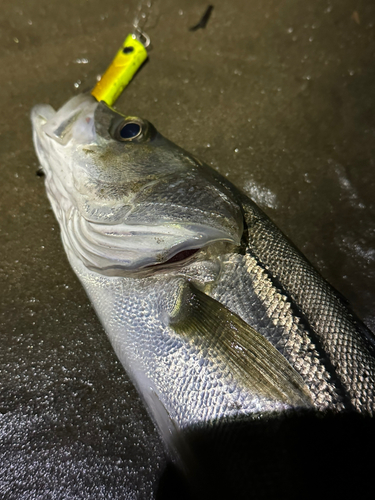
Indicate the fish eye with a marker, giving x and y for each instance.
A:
(129, 130)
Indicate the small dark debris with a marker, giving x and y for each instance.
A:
(40, 172)
(127, 50)
(203, 22)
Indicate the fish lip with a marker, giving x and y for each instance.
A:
(50, 124)
(40, 114)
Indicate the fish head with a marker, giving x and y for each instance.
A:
(127, 199)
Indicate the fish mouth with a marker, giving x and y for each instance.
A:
(40, 114)
(75, 119)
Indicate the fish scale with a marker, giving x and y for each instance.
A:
(329, 318)
(265, 307)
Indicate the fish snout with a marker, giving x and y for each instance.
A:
(40, 114)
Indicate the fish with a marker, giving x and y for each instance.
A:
(214, 314)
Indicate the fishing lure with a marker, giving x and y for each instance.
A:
(122, 69)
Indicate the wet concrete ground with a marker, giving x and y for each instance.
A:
(277, 95)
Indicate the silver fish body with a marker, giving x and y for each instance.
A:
(210, 309)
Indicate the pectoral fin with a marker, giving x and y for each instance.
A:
(251, 358)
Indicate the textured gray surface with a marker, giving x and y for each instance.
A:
(278, 95)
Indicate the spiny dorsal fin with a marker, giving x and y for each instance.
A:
(252, 359)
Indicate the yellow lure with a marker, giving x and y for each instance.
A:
(126, 63)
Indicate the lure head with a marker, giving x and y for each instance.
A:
(127, 198)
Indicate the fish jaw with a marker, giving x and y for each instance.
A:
(56, 136)
(40, 114)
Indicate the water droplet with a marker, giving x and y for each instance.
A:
(82, 60)
(307, 178)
